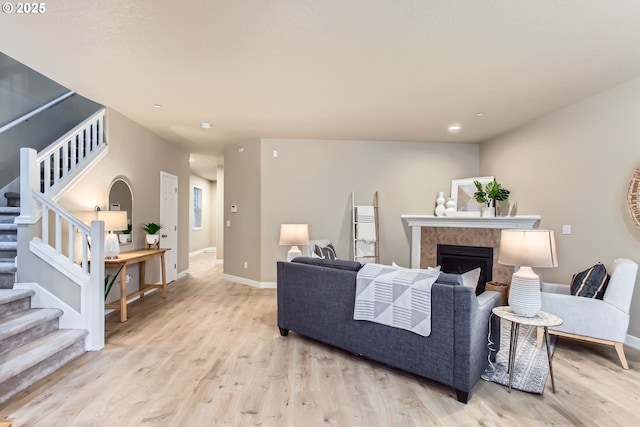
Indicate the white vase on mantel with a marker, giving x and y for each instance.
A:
(488, 212)
(450, 209)
(440, 208)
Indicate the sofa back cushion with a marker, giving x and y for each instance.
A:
(339, 264)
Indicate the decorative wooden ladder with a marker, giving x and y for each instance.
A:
(365, 230)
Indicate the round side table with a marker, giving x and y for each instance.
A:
(542, 319)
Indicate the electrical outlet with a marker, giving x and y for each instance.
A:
(246, 264)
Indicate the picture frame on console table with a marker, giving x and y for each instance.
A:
(462, 191)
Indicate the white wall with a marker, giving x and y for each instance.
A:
(137, 156)
(574, 167)
(205, 236)
(311, 182)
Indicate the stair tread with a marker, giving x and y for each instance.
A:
(8, 246)
(7, 226)
(22, 321)
(9, 210)
(6, 267)
(10, 295)
(22, 358)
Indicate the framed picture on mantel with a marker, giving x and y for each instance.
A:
(462, 191)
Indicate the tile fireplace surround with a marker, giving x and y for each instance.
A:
(428, 231)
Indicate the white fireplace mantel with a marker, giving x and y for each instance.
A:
(416, 222)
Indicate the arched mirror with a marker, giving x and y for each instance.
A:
(121, 199)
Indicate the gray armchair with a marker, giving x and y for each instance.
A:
(602, 321)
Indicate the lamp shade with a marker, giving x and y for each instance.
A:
(532, 248)
(294, 234)
(113, 220)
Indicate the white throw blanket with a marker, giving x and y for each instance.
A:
(395, 297)
(366, 227)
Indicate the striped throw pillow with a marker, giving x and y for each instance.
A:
(590, 283)
(328, 252)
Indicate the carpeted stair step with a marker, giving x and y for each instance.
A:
(7, 265)
(14, 300)
(8, 229)
(8, 246)
(7, 272)
(8, 215)
(30, 363)
(8, 249)
(26, 326)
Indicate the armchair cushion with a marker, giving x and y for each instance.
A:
(591, 283)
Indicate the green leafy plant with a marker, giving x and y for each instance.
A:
(109, 280)
(152, 227)
(128, 230)
(490, 192)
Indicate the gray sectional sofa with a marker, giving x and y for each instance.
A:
(316, 299)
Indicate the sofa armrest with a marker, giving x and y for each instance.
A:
(556, 288)
(486, 302)
(471, 335)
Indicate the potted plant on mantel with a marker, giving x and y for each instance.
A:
(491, 192)
(152, 229)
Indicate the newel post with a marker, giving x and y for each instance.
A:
(93, 295)
(29, 181)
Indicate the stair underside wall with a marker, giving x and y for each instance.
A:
(32, 269)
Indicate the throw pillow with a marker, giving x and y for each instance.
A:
(471, 278)
(327, 252)
(590, 283)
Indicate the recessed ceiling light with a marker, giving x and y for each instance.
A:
(157, 106)
(206, 125)
(454, 127)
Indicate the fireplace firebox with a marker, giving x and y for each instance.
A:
(460, 259)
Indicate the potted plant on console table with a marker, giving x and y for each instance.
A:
(491, 192)
(152, 237)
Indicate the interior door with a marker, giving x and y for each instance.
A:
(169, 221)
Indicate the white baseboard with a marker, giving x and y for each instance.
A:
(633, 342)
(250, 282)
(209, 250)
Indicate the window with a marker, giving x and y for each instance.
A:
(197, 207)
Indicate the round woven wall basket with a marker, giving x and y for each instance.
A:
(633, 197)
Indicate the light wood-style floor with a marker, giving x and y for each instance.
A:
(210, 354)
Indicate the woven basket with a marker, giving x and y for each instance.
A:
(503, 288)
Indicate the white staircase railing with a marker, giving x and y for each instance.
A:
(55, 239)
(70, 151)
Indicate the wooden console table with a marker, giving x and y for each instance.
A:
(135, 257)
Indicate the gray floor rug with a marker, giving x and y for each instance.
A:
(531, 367)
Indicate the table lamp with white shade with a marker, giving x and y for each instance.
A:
(113, 221)
(527, 249)
(294, 235)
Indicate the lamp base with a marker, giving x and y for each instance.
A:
(293, 253)
(525, 298)
(111, 246)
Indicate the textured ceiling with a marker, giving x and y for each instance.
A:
(337, 69)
